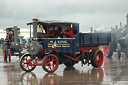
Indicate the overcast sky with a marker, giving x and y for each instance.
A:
(89, 13)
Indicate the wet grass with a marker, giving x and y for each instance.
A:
(101, 48)
(0, 50)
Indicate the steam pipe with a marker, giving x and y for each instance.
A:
(120, 24)
(127, 19)
(116, 27)
(35, 23)
(15, 34)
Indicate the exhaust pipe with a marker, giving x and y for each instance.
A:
(35, 23)
(15, 35)
(127, 19)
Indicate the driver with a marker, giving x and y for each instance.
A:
(69, 32)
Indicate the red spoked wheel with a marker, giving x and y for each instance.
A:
(50, 63)
(97, 58)
(27, 63)
(4, 52)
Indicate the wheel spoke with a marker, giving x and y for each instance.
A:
(50, 68)
(54, 65)
(47, 64)
(48, 59)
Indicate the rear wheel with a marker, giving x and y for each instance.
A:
(26, 63)
(97, 58)
(50, 63)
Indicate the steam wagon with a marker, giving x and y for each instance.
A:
(11, 44)
(119, 41)
(49, 50)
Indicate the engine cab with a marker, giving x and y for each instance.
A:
(50, 35)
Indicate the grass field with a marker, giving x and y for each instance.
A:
(101, 48)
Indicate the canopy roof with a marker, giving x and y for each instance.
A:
(12, 28)
(53, 22)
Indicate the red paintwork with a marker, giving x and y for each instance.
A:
(85, 49)
(88, 48)
(39, 61)
(44, 51)
(75, 59)
(51, 62)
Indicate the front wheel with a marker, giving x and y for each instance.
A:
(50, 63)
(26, 63)
(97, 58)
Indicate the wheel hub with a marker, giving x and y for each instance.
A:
(97, 58)
(34, 61)
(51, 63)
